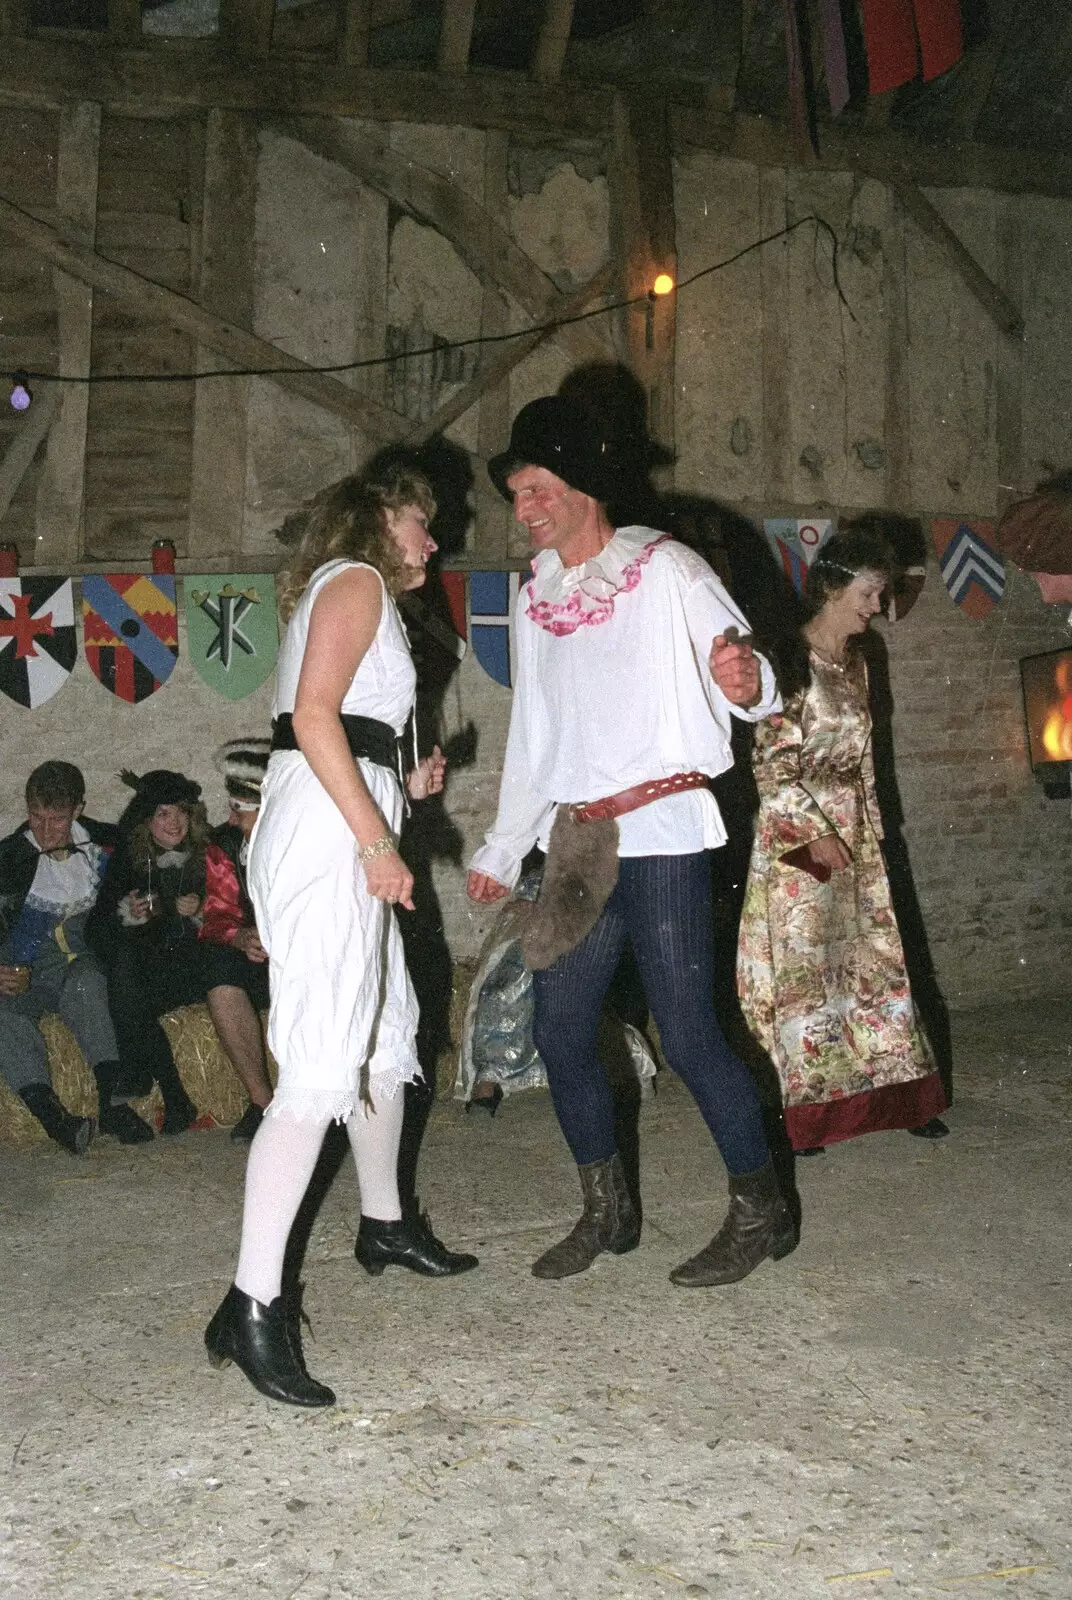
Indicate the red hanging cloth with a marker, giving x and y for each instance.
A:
(941, 37)
(890, 42)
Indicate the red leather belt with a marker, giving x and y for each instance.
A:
(641, 794)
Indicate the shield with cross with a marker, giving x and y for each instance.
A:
(131, 630)
(232, 635)
(38, 643)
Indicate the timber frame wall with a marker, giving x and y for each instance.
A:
(127, 208)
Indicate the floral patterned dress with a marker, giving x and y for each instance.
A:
(820, 966)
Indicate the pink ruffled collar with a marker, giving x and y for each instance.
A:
(563, 599)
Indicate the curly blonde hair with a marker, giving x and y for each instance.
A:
(349, 519)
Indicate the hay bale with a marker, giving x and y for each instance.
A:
(207, 1076)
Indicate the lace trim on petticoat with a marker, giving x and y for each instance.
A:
(338, 1105)
(592, 600)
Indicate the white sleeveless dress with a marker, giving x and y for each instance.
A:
(342, 999)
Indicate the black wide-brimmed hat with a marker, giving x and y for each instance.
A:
(157, 788)
(568, 440)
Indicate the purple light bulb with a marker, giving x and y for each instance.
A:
(20, 392)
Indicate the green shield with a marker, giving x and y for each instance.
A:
(231, 629)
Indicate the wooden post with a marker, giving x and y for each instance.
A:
(61, 488)
(124, 21)
(354, 33)
(25, 445)
(897, 421)
(494, 521)
(223, 283)
(456, 35)
(553, 40)
(643, 246)
(1009, 418)
(774, 279)
(246, 26)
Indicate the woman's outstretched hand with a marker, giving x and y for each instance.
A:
(428, 776)
(388, 878)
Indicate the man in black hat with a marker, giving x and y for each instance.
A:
(631, 660)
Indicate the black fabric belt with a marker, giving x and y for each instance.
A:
(367, 738)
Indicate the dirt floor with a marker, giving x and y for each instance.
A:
(886, 1412)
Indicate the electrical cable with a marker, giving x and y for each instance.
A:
(542, 328)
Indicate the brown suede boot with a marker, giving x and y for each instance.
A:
(757, 1225)
(608, 1222)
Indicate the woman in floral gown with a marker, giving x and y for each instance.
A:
(820, 966)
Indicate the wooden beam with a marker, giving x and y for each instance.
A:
(479, 238)
(456, 35)
(499, 366)
(61, 487)
(246, 26)
(494, 520)
(124, 20)
(643, 246)
(553, 40)
(235, 345)
(26, 443)
(993, 300)
(354, 33)
(223, 282)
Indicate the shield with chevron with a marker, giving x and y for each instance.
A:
(131, 631)
(972, 569)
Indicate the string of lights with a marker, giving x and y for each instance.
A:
(21, 394)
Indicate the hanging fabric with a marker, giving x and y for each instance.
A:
(941, 36)
(891, 43)
(835, 62)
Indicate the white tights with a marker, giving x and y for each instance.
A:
(281, 1161)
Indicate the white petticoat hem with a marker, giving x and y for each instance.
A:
(338, 1105)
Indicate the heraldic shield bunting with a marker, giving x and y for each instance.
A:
(232, 634)
(38, 643)
(131, 631)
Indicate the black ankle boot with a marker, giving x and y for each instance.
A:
(179, 1113)
(408, 1243)
(71, 1132)
(608, 1222)
(758, 1224)
(258, 1339)
(122, 1122)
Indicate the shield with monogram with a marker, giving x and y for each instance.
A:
(38, 644)
(131, 630)
(232, 634)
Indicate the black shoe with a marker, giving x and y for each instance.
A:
(485, 1102)
(124, 1124)
(408, 1243)
(71, 1132)
(934, 1129)
(179, 1115)
(131, 1083)
(758, 1224)
(609, 1221)
(245, 1129)
(257, 1339)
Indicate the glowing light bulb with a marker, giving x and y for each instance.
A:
(664, 284)
(20, 392)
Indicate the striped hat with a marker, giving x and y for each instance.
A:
(242, 764)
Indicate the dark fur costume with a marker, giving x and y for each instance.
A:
(578, 880)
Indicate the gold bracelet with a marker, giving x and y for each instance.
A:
(379, 847)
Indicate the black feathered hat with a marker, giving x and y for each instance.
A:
(242, 764)
(157, 788)
(568, 440)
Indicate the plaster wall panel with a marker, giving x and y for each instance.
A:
(1046, 235)
(719, 402)
(837, 351)
(432, 294)
(565, 226)
(953, 364)
(306, 244)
